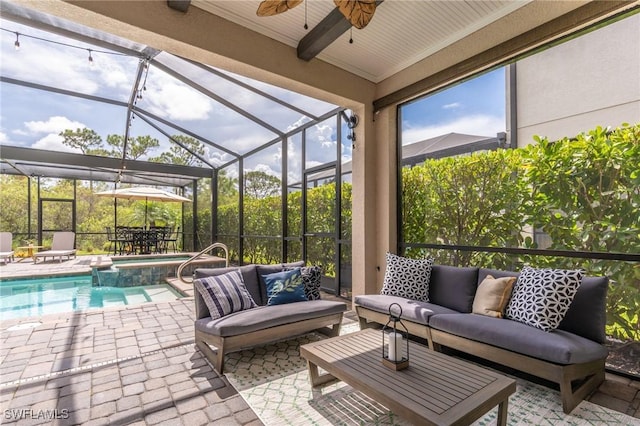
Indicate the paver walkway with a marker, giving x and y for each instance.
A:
(134, 365)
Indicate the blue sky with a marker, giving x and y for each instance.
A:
(475, 107)
(34, 118)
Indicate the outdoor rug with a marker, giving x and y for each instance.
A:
(273, 379)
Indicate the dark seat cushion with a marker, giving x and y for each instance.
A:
(453, 287)
(412, 310)
(264, 317)
(558, 346)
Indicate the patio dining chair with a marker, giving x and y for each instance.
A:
(171, 238)
(62, 246)
(6, 242)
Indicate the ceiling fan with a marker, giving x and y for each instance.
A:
(357, 12)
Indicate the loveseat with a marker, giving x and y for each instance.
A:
(571, 355)
(261, 322)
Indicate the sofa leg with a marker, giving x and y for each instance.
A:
(571, 398)
(331, 331)
(216, 358)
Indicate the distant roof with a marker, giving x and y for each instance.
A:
(446, 145)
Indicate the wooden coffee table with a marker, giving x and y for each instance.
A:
(435, 389)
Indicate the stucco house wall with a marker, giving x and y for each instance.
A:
(585, 82)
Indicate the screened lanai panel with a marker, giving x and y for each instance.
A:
(313, 106)
(320, 143)
(35, 118)
(270, 111)
(62, 63)
(170, 137)
(169, 97)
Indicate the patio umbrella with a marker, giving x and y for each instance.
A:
(144, 193)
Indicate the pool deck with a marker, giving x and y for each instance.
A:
(138, 365)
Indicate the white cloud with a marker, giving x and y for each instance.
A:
(55, 124)
(481, 125)
(169, 98)
(3, 138)
(266, 169)
(454, 105)
(53, 142)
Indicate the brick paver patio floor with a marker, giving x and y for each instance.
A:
(135, 365)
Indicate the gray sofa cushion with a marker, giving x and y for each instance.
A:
(495, 273)
(249, 276)
(587, 315)
(264, 317)
(412, 310)
(558, 346)
(453, 287)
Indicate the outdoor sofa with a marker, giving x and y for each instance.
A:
(571, 355)
(263, 323)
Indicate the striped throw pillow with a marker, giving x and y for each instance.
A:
(224, 294)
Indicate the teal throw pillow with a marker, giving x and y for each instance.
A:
(285, 287)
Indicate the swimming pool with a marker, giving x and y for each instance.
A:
(42, 296)
(145, 270)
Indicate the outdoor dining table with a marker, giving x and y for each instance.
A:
(138, 240)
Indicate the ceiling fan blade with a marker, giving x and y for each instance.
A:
(358, 12)
(274, 7)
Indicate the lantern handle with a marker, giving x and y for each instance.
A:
(391, 314)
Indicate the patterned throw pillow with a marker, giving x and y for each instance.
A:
(408, 278)
(492, 296)
(311, 276)
(541, 297)
(285, 287)
(224, 294)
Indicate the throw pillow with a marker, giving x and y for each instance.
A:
(285, 287)
(541, 297)
(492, 296)
(408, 278)
(311, 276)
(224, 294)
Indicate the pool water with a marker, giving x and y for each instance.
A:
(43, 296)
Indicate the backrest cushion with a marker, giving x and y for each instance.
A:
(249, 278)
(453, 287)
(587, 315)
(285, 287)
(408, 278)
(224, 294)
(541, 297)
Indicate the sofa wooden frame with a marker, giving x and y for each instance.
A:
(576, 381)
(327, 324)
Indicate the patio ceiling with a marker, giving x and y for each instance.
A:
(400, 34)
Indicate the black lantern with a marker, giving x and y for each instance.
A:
(395, 340)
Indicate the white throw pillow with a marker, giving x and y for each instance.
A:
(408, 278)
(224, 294)
(541, 297)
